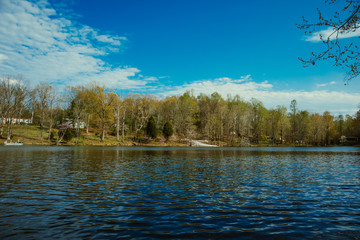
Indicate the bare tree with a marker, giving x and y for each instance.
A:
(3, 108)
(283, 121)
(44, 100)
(32, 102)
(52, 102)
(187, 107)
(142, 107)
(12, 98)
(293, 120)
(119, 113)
(332, 32)
(78, 104)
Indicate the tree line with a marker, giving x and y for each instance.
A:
(136, 117)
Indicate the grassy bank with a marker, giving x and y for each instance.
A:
(31, 135)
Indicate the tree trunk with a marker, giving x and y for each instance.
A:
(102, 132)
(50, 128)
(41, 124)
(2, 126)
(118, 124)
(221, 127)
(123, 127)
(9, 132)
(87, 123)
(32, 116)
(61, 137)
(77, 129)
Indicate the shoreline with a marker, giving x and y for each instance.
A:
(30, 135)
(172, 144)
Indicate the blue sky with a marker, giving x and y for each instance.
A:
(165, 47)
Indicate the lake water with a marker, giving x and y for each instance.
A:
(183, 193)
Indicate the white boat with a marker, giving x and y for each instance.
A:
(6, 143)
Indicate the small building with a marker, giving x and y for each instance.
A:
(82, 124)
(344, 139)
(16, 120)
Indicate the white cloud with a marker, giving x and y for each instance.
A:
(151, 79)
(3, 57)
(328, 33)
(116, 41)
(119, 78)
(325, 84)
(313, 101)
(39, 43)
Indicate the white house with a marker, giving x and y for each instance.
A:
(16, 120)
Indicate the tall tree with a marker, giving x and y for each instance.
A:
(100, 103)
(151, 128)
(283, 121)
(328, 125)
(258, 117)
(32, 103)
(52, 102)
(348, 126)
(168, 109)
(78, 106)
(144, 108)
(293, 121)
(316, 129)
(339, 124)
(12, 101)
(117, 107)
(274, 120)
(187, 108)
(356, 124)
(302, 119)
(44, 94)
(168, 130)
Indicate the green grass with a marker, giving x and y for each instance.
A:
(31, 135)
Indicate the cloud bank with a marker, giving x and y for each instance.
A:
(313, 101)
(41, 44)
(46, 46)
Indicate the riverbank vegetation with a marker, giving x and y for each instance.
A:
(94, 115)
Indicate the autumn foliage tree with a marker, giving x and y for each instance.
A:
(100, 102)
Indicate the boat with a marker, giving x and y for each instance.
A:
(18, 143)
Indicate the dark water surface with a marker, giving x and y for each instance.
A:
(184, 193)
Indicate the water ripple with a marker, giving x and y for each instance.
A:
(179, 193)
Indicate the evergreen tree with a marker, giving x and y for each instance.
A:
(151, 129)
(168, 130)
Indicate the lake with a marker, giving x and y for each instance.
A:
(179, 193)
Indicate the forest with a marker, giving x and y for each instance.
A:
(95, 110)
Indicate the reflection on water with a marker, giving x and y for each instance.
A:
(142, 193)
